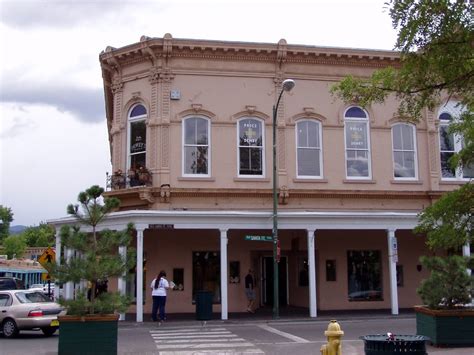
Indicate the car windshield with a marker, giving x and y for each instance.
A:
(36, 286)
(31, 297)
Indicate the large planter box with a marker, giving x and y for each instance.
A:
(446, 327)
(88, 335)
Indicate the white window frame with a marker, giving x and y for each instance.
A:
(415, 151)
(369, 155)
(320, 148)
(183, 150)
(262, 122)
(454, 111)
(131, 120)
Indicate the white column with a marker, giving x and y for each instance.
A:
(224, 273)
(69, 287)
(122, 283)
(140, 230)
(466, 251)
(392, 267)
(58, 261)
(312, 274)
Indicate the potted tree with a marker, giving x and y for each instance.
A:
(447, 316)
(92, 316)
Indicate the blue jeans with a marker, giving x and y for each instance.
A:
(159, 303)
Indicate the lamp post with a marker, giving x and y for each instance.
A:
(287, 85)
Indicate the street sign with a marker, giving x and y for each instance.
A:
(45, 276)
(48, 258)
(259, 238)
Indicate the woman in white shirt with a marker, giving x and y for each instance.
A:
(159, 286)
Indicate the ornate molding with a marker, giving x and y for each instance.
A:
(165, 193)
(147, 195)
(284, 195)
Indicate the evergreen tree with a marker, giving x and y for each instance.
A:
(97, 257)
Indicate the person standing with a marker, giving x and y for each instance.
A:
(159, 285)
(250, 292)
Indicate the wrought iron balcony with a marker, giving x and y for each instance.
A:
(133, 178)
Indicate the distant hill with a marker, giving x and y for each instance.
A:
(17, 229)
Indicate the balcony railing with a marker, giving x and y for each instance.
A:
(133, 178)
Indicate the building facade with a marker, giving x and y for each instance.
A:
(190, 133)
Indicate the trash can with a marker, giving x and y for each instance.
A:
(382, 344)
(204, 305)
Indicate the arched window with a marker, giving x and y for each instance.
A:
(450, 143)
(357, 143)
(137, 137)
(251, 147)
(404, 151)
(309, 151)
(196, 139)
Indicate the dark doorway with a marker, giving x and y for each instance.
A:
(267, 281)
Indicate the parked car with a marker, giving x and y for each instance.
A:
(42, 288)
(11, 283)
(28, 310)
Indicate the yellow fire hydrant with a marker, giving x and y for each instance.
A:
(334, 335)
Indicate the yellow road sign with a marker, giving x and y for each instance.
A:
(48, 258)
(45, 276)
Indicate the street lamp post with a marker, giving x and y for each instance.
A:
(287, 85)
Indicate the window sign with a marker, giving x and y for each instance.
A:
(250, 147)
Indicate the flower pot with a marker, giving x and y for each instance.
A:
(93, 334)
(446, 327)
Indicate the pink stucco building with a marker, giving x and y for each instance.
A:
(190, 132)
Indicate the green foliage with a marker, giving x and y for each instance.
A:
(14, 246)
(449, 223)
(449, 284)
(105, 303)
(6, 217)
(39, 236)
(98, 250)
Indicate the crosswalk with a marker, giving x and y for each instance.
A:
(201, 341)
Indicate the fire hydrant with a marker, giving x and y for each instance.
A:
(334, 335)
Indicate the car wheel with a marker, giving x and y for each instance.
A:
(9, 328)
(48, 331)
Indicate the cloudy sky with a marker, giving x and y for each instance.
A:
(53, 137)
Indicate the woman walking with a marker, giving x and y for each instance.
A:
(159, 286)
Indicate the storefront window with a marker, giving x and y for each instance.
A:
(364, 271)
(206, 273)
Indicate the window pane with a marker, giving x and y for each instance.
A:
(404, 164)
(250, 161)
(403, 137)
(137, 137)
(446, 170)
(195, 131)
(357, 163)
(356, 135)
(201, 131)
(308, 134)
(446, 140)
(468, 171)
(302, 134)
(138, 110)
(308, 162)
(137, 160)
(195, 160)
(364, 272)
(355, 112)
(445, 116)
(250, 133)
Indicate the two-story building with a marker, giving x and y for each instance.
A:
(190, 131)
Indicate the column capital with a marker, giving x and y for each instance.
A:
(140, 227)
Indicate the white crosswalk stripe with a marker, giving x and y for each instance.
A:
(201, 341)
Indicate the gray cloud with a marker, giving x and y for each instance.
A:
(59, 13)
(87, 104)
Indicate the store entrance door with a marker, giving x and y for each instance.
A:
(267, 281)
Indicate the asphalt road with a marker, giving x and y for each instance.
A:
(296, 337)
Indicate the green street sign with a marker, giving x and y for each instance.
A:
(259, 238)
